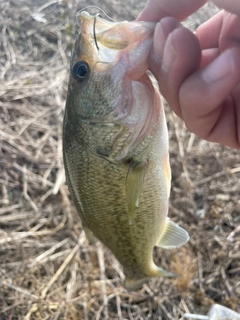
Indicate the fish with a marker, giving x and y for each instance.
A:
(115, 146)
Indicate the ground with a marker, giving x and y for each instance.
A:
(48, 270)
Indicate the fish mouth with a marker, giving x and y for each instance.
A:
(100, 38)
(107, 40)
(104, 20)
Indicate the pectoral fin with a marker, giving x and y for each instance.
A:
(134, 184)
(172, 236)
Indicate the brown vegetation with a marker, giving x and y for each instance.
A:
(48, 270)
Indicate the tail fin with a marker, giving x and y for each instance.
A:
(135, 284)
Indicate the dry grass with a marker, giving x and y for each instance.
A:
(48, 270)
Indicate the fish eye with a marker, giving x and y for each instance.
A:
(80, 70)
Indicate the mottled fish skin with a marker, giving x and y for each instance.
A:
(115, 145)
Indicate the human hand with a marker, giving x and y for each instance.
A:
(199, 75)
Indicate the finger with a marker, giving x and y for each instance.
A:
(208, 55)
(230, 33)
(223, 31)
(161, 33)
(208, 33)
(180, 9)
(204, 106)
(229, 5)
(181, 57)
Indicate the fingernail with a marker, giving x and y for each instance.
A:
(219, 69)
(159, 41)
(169, 54)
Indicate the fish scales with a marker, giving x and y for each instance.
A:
(108, 220)
(115, 146)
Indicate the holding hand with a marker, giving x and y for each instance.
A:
(199, 75)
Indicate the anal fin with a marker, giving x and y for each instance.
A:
(134, 284)
(172, 236)
(89, 235)
(134, 184)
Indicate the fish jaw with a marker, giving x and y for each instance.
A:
(109, 42)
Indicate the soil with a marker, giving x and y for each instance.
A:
(48, 269)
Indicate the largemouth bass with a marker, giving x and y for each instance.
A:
(115, 146)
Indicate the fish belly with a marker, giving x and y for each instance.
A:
(98, 190)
